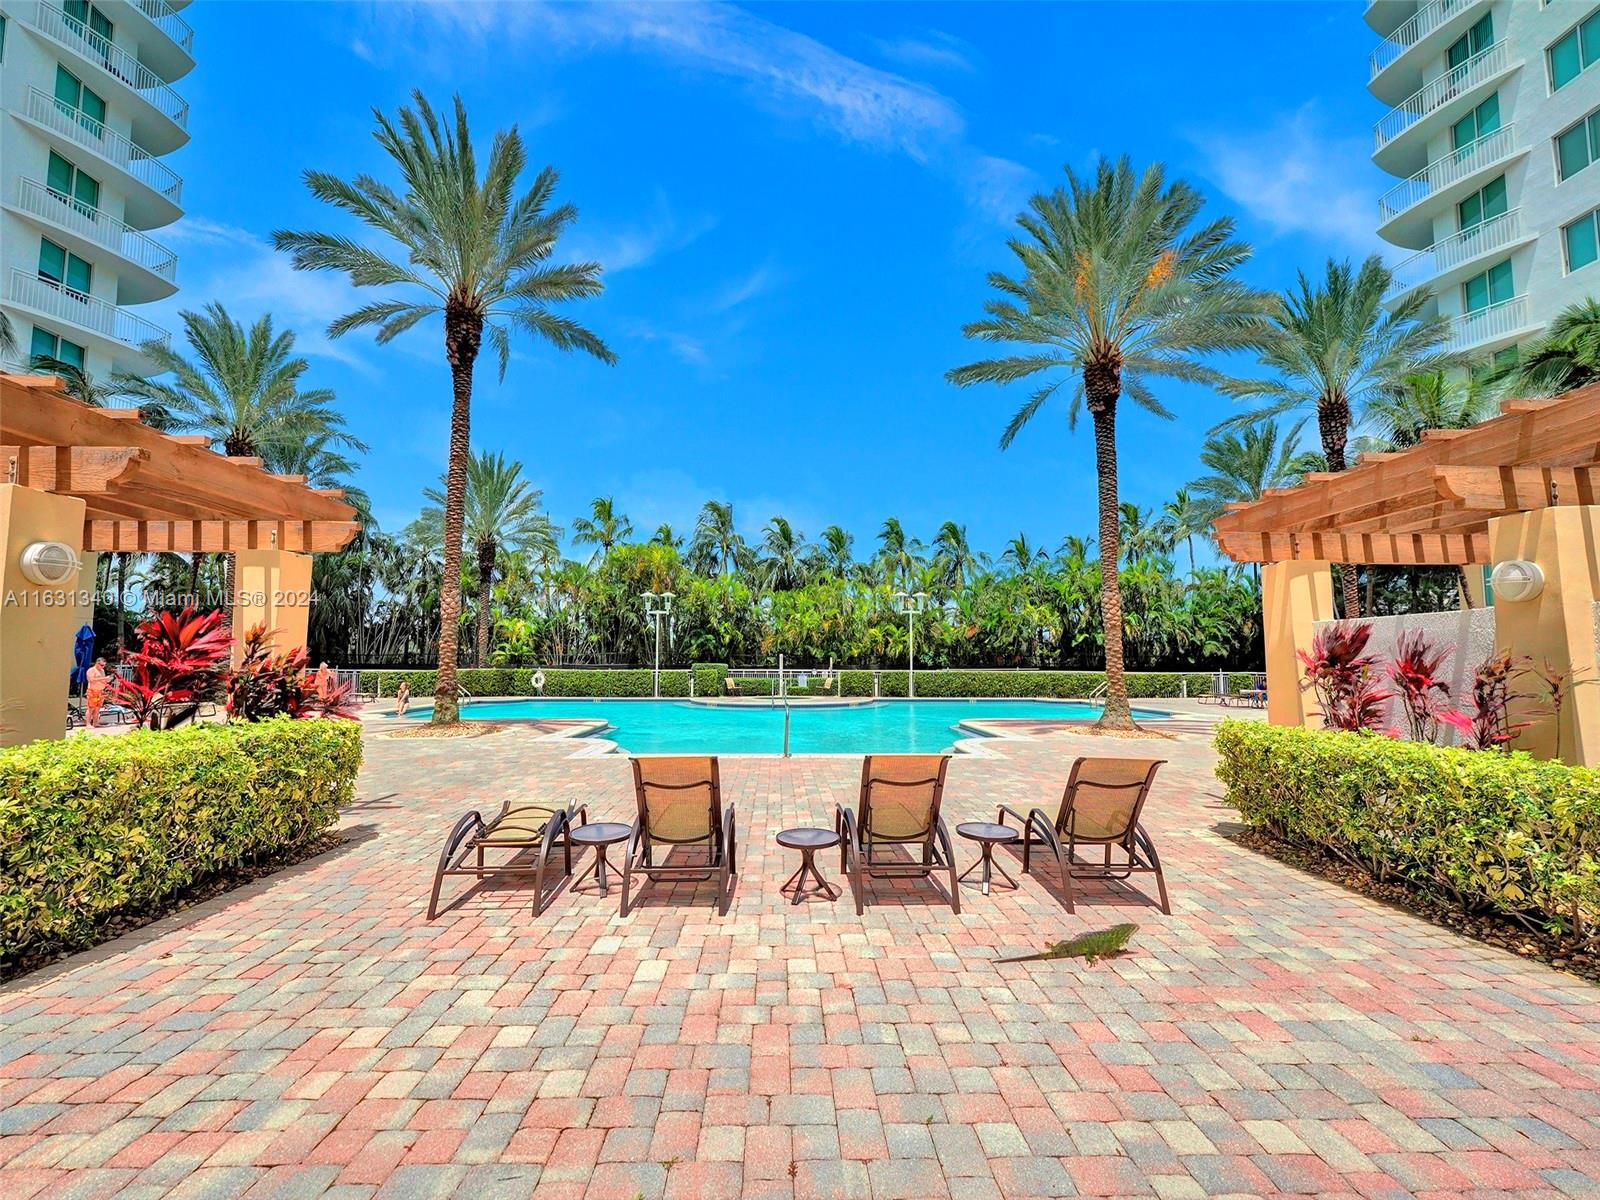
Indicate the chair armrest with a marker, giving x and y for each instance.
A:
(844, 824)
(942, 833)
(577, 810)
(1005, 810)
(635, 836)
(1045, 828)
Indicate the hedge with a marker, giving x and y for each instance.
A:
(1044, 685)
(91, 827)
(518, 681)
(1484, 830)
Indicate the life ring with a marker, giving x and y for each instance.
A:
(538, 682)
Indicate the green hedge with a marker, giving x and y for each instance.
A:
(92, 826)
(1044, 685)
(518, 681)
(1481, 829)
(709, 677)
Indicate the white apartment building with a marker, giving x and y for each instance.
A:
(1493, 132)
(87, 110)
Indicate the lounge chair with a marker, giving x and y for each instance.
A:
(680, 804)
(899, 806)
(1219, 690)
(517, 828)
(1100, 807)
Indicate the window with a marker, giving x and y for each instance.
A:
(1489, 201)
(2, 37)
(48, 345)
(1578, 146)
(1575, 53)
(80, 190)
(1480, 122)
(85, 13)
(76, 100)
(59, 266)
(1491, 287)
(1582, 240)
(1474, 41)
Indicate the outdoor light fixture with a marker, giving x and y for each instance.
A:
(1516, 579)
(49, 564)
(656, 606)
(911, 603)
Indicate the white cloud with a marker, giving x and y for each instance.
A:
(1298, 178)
(744, 289)
(934, 49)
(998, 187)
(637, 245)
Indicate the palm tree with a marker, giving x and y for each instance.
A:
(784, 564)
(480, 257)
(9, 347)
(1183, 518)
(502, 512)
(717, 546)
(835, 551)
(1022, 555)
(1333, 348)
(1244, 466)
(1425, 400)
(663, 536)
(897, 553)
(1115, 288)
(1565, 356)
(954, 556)
(603, 528)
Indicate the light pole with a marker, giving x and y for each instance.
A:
(911, 603)
(657, 606)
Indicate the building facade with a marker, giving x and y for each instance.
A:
(87, 113)
(1493, 133)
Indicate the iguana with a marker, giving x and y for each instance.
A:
(1092, 946)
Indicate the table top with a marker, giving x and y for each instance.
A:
(601, 832)
(987, 831)
(808, 839)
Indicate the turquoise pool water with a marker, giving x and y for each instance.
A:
(678, 727)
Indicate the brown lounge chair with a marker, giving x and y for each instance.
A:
(517, 828)
(1100, 807)
(899, 805)
(680, 804)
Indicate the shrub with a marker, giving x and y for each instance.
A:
(709, 678)
(266, 685)
(91, 827)
(179, 664)
(1488, 832)
(518, 681)
(1344, 676)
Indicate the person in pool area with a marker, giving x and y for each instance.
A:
(94, 696)
(402, 698)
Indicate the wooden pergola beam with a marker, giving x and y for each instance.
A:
(73, 470)
(1517, 489)
(208, 537)
(1380, 549)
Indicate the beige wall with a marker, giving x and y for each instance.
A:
(1294, 597)
(272, 586)
(38, 624)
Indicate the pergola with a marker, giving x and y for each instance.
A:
(1522, 485)
(99, 479)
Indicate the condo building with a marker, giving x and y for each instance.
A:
(87, 114)
(1493, 135)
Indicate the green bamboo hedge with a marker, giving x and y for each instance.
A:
(94, 826)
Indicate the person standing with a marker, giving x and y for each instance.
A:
(94, 696)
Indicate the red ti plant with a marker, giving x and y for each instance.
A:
(268, 685)
(1489, 725)
(178, 665)
(1345, 677)
(1418, 675)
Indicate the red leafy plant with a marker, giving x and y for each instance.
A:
(1345, 677)
(178, 666)
(1418, 676)
(274, 685)
(1489, 725)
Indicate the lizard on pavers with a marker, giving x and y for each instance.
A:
(1092, 946)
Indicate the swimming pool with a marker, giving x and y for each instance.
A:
(883, 726)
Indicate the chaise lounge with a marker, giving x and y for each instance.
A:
(680, 804)
(899, 806)
(518, 828)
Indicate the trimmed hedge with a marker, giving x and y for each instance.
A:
(1484, 830)
(90, 827)
(708, 678)
(1043, 685)
(518, 681)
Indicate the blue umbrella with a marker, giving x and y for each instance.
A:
(82, 657)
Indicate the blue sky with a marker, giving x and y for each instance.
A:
(796, 206)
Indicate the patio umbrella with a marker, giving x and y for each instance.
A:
(82, 657)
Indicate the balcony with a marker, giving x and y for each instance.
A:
(1436, 179)
(1434, 95)
(127, 156)
(1428, 18)
(104, 231)
(61, 303)
(1454, 251)
(165, 18)
(1498, 323)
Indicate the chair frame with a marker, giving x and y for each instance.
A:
(470, 835)
(722, 841)
(856, 841)
(1134, 841)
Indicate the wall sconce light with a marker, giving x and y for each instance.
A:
(1516, 579)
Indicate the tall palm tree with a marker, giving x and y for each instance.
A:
(663, 536)
(717, 547)
(1021, 555)
(897, 553)
(476, 254)
(502, 512)
(836, 550)
(783, 566)
(954, 556)
(1421, 401)
(603, 528)
(1243, 466)
(1115, 288)
(1333, 347)
(1184, 518)
(1565, 356)
(9, 346)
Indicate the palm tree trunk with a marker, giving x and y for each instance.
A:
(194, 578)
(485, 583)
(1102, 386)
(1333, 423)
(122, 589)
(1461, 585)
(463, 335)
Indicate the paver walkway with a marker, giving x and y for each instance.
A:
(314, 1034)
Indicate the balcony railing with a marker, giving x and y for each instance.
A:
(1440, 91)
(1428, 18)
(1454, 250)
(98, 227)
(1441, 173)
(1487, 324)
(110, 145)
(73, 33)
(165, 18)
(88, 312)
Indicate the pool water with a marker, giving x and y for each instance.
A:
(883, 726)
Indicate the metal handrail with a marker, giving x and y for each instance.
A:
(1454, 250)
(73, 33)
(1495, 320)
(101, 228)
(165, 18)
(78, 308)
(110, 145)
(1442, 172)
(1427, 18)
(1440, 91)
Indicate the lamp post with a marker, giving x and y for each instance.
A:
(911, 603)
(656, 606)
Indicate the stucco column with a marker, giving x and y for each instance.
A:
(38, 623)
(1557, 626)
(1294, 597)
(272, 586)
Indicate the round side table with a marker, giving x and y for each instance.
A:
(600, 835)
(808, 842)
(988, 835)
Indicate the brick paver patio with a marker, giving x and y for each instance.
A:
(315, 1035)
